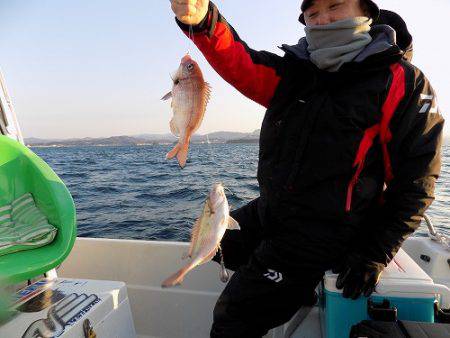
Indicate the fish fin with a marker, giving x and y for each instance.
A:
(174, 77)
(174, 128)
(233, 224)
(200, 224)
(210, 256)
(194, 238)
(167, 96)
(176, 279)
(182, 154)
(171, 154)
(207, 93)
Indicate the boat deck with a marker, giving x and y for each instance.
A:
(186, 311)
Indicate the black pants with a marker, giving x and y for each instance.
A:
(260, 295)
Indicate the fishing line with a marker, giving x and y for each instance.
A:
(191, 34)
(223, 275)
(231, 192)
(212, 159)
(211, 153)
(216, 170)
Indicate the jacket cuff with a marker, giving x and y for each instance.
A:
(206, 26)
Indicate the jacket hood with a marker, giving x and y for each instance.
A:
(403, 37)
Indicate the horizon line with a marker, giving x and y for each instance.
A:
(137, 135)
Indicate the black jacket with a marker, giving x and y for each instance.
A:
(311, 133)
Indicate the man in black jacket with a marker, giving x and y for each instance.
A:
(350, 150)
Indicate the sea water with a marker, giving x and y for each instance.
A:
(132, 192)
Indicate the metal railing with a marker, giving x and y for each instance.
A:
(9, 125)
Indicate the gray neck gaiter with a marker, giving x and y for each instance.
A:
(332, 45)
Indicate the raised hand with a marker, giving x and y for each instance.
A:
(190, 12)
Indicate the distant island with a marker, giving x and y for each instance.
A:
(145, 139)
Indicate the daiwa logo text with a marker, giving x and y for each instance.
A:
(427, 104)
(274, 275)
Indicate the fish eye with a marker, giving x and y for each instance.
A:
(190, 66)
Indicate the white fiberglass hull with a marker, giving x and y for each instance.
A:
(186, 311)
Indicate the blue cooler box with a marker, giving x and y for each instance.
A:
(403, 285)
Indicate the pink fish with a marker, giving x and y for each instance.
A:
(206, 233)
(190, 95)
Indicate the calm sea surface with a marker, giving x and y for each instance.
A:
(134, 193)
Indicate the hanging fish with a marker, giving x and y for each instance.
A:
(190, 95)
(207, 234)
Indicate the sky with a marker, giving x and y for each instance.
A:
(97, 68)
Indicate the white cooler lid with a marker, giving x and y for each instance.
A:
(401, 276)
(78, 300)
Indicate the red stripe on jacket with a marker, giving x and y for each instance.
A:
(234, 64)
(395, 95)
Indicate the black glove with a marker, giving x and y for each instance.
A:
(357, 275)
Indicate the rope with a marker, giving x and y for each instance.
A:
(436, 236)
(442, 239)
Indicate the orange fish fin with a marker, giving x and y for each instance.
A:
(176, 279)
(182, 154)
(173, 152)
(174, 128)
(167, 96)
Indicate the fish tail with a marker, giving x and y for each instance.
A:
(171, 154)
(175, 279)
(182, 154)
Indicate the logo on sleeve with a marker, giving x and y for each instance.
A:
(428, 104)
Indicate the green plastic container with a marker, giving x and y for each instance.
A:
(22, 171)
